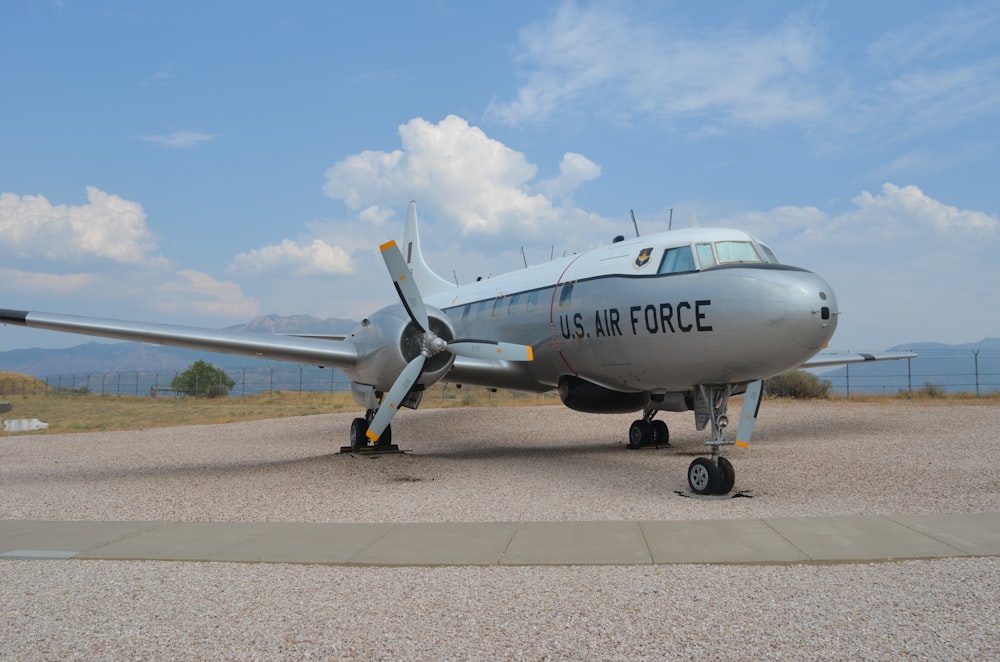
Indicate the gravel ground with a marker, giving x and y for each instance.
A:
(543, 463)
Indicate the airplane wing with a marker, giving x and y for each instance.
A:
(314, 351)
(843, 358)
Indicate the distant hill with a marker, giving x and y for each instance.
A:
(952, 367)
(90, 363)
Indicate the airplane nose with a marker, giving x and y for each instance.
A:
(811, 311)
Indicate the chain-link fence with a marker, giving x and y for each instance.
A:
(949, 370)
(975, 371)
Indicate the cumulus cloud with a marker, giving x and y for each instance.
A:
(896, 213)
(463, 177)
(179, 139)
(574, 171)
(289, 258)
(598, 58)
(196, 291)
(108, 228)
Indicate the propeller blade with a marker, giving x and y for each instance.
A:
(489, 349)
(406, 287)
(748, 415)
(398, 392)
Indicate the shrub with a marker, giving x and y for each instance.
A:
(798, 384)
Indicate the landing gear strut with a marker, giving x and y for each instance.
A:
(715, 474)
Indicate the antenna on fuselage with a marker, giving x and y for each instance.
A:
(523, 258)
(670, 223)
(634, 224)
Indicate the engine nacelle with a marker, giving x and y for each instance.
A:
(581, 395)
(388, 340)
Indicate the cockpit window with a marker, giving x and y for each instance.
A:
(768, 254)
(677, 260)
(705, 255)
(736, 251)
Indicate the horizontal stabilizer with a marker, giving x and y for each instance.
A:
(843, 358)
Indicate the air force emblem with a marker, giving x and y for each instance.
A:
(642, 259)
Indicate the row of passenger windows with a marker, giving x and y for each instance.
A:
(681, 259)
(675, 260)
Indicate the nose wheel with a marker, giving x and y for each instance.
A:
(706, 476)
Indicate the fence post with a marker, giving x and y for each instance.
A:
(847, 378)
(975, 355)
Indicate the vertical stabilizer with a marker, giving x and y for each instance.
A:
(428, 281)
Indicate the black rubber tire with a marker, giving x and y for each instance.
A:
(359, 427)
(661, 433)
(703, 476)
(385, 440)
(640, 434)
(727, 476)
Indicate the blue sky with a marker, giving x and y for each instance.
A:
(207, 162)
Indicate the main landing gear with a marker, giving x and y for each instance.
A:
(359, 440)
(646, 432)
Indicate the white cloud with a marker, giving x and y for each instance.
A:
(314, 258)
(596, 58)
(34, 283)
(195, 291)
(106, 228)
(180, 139)
(465, 179)
(574, 171)
(935, 36)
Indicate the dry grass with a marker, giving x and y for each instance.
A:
(68, 412)
(84, 413)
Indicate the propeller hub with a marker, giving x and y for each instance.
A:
(433, 344)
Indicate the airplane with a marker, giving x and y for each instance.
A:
(675, 321)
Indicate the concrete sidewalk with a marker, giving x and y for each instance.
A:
(769, 541)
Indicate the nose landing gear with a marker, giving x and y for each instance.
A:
(715, 474)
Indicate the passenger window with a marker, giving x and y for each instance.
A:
(532, 300)
(497, 307)
(736, 251)
(566, 296)
(465, 311)
(514, 301)
(481, 310)
(705, 255)
(676, 261)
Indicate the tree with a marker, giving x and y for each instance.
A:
(203, 379)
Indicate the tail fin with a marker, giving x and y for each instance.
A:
(428, 281)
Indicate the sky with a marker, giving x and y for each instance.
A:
(204, 163)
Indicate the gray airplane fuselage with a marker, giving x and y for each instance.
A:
(607, 316)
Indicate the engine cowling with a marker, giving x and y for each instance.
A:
(388, 340)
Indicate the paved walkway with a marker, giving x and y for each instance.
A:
(781, 540)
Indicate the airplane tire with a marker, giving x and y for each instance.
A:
(704, 476)
(385, 440)
(640, 434)
(359, 427)
(661, 433)
(727, 476)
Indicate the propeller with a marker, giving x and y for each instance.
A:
(431, 343)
